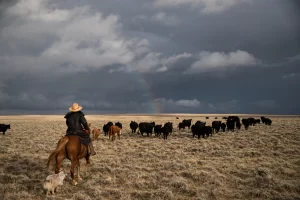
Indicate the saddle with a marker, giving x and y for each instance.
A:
(82, 137)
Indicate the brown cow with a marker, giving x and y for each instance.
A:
(113, 131)
(96, 133)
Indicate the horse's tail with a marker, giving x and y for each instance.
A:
(60, 145)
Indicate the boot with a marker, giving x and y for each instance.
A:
(92, 150)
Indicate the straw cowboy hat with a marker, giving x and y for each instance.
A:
(75, 107)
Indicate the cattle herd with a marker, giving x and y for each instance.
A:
(199, 129)
(232, 123)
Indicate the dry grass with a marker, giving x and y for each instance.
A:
(260, 163)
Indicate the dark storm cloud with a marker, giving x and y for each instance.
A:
(130, 56)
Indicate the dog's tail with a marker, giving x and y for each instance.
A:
(60, 145)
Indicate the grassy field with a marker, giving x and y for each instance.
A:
(260, 163)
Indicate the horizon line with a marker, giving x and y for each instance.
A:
(159, 114)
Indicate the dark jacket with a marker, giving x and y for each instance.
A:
(76, 122)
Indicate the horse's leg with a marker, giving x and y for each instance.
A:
(78, 171)
(73, 165)
(87, 158)
(59, 159)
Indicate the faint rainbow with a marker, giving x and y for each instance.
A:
(154, 106)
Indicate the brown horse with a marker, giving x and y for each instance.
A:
(71, 148)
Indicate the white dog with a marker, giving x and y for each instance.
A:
(53, 181)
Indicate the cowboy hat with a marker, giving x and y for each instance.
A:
(75, 107)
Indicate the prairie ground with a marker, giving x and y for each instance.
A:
(262, 162)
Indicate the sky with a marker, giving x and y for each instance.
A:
(150, 56)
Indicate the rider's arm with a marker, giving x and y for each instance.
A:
(84, 122)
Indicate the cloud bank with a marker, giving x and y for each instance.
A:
(182, 56)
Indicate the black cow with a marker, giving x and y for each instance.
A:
(181, 125)
(238, 125)
(234, 118)
(187, 122)
(118, 124)
(133, 126)
(157, 129)
(246, 123)
(106, 127)
(146, 127)
(262, 119)
(223, 127)
(4, 127)
(165, 131)
(209, 130)
(257, 121)
(198, 130)
(216, 125)
(230, 124)
(251, 121)
(268, 121)
(170, 126)
(206, 117)
(201, 129)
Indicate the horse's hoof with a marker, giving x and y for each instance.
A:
(79, 179)
(74, 183)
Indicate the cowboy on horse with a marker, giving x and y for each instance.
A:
(77, 125)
